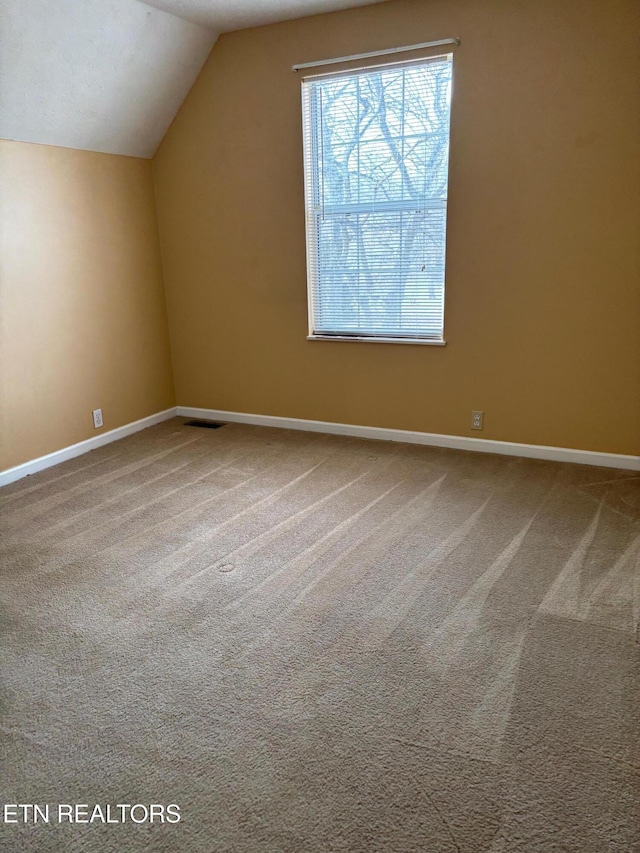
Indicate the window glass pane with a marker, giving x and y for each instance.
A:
(381, 273)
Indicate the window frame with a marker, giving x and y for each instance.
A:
(310, 150)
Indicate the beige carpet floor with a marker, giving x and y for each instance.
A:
(315, 643)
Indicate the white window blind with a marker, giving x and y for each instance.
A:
(376, 149)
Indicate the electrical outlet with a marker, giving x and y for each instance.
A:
(97, 418)
(477, 420)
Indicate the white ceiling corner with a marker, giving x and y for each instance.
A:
(110, 75)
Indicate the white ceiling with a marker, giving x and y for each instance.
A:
(104, 75)
(110, 75)
(226, 15)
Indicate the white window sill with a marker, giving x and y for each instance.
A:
(372, 340)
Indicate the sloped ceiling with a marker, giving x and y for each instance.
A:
(227, 15)
(104, 75)
(110, 75)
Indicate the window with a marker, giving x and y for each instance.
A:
(376, 148)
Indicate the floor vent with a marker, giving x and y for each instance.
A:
(205, 424)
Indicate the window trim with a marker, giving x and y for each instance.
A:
(371, 339)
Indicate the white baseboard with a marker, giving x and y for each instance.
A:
(458, 442)
(58, 456)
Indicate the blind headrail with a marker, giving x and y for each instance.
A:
(371, 53)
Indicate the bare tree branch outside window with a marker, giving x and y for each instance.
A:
(377, 150)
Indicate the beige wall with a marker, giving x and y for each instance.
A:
(543, 296)
(82, 309)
